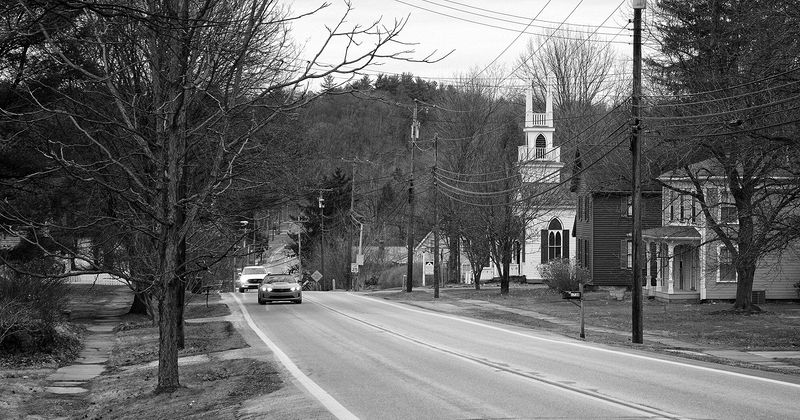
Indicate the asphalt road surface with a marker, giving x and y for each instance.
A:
(372, 359)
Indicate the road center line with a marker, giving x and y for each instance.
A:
(330, 403)
(578, 344)
(649, 411)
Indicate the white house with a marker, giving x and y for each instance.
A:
(686, 262)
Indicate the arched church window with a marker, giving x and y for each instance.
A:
(555, 241)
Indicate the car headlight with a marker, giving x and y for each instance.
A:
(296, 288)
(266, 288)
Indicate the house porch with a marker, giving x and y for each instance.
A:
(672, 264)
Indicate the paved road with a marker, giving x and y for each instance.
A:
(376, 359)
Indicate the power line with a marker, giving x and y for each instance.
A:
(504, 28)
(519, 17)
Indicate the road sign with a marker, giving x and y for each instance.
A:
(316, 276)
(354, 268)
(428, 267)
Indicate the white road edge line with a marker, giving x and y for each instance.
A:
(581, 345)
(335, 408)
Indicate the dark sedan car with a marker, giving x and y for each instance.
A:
(277, 287)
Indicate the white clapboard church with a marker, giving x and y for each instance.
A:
(548, 234)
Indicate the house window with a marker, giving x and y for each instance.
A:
(727, 270)
(671, 205)
(625, 253)
(727, 209)
(580, 207)
(555, 242)
(629, 209)
(579, 253)
(554, 245)
(626, 206)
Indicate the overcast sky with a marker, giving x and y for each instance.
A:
(478, 30)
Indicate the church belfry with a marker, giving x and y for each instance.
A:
(539, 158)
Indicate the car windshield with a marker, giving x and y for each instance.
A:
(279, 279)
(254, 270)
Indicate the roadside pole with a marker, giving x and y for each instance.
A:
(580, 289)
(410, 244)
(636, 155)
(436, 274)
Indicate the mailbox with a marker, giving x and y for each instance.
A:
(566, 294)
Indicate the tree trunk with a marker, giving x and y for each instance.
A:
(453, 264)
(477, 276)
(505, 263)
(744, 288)
(168, 379)
(139, 304)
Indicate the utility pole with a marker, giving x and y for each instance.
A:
(636, 154)
(436, 274)
(322, 235)
(410, 245)
(349, 230)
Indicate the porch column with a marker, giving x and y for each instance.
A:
(647, 256)
(702, 272)
(670, 271)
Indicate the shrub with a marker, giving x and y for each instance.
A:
(31, 308)
(393, 277)
(561, 275)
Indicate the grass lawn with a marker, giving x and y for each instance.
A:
(708, 325)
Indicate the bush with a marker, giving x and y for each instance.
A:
(393, 277)
(31, 308)
(561, 275)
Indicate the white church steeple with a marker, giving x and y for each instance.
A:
(540, 159)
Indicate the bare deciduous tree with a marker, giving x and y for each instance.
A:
(168, 94)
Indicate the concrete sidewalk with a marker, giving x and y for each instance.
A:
(767, 359)
(100, 313)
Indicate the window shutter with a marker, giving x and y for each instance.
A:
(544, 246)
(565, 245)
(587, 252)
(623, 253)
(623, 206)
(587, 207)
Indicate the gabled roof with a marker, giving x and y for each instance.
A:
(710, 167)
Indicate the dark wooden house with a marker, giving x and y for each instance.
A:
(603, 225)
